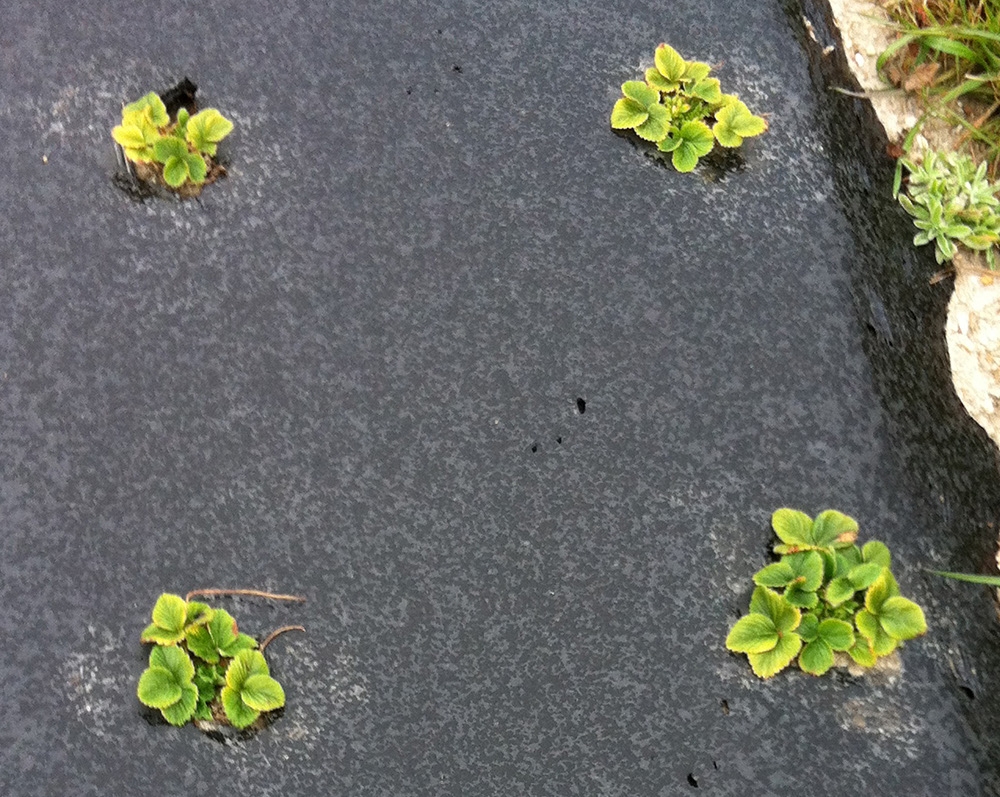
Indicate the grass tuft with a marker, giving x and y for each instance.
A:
(948, 53)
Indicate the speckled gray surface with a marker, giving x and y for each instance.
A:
(352, 370)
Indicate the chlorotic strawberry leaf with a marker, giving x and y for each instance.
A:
(678, 108)
(177, 152)
(202, 668)
(825, 597)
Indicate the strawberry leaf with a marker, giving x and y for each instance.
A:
(734, 122)
(628, 114)
(754, 633)
(902, 619)
(816, 657)
(262, 693)
(206, 129)
(793, 528)
(775, 660)
(175, 171)
(669, 63)
(656, 126)
(237, 712)
(181, 711)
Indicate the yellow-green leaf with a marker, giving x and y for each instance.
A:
(170, 612)
(181, 711)
(206, 129)
(838, 634)
(129, 136)
(643, 94)
(816, 657)
(696, 71)
(660, 83)
(158, 688)
(862, 652)
(881, 589)
(791, 526)
(902, 619)
(656, 127)
(775, 660)
(754, 633)
(628, 114)
(245, 664)
(734, 122)
(237, 712)
(708, 90)
(262, 693)
(669, 63)
(175, 171)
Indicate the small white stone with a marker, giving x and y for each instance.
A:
(859, 59)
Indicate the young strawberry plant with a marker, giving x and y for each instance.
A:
(683, 111)
(202, 668)
(177, 151)
(824, 596)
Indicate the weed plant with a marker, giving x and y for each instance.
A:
(948, 52)
(952, 202)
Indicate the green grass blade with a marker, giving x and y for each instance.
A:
(991, 581)
(946, 45)
(892, 49)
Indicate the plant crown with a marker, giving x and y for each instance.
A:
(202, 662)
(824, 595)
(179, 147)
(952, 202)
(674, 106)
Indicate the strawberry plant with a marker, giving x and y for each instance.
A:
(683, 111)
(177, 151)
(203, 668)
(824, 596)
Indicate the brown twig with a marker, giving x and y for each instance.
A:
(942, 275)
(273, 634)
(254, 593)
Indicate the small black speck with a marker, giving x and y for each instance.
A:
(581, 406)
(559, 440)
(714, 764)
(534, 448)
(439, 31)
(725, 706)
(692, 780)
(965, 690)
(409, 90)
(457, 68)
(435, 91)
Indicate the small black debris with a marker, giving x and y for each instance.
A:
(180, 96)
